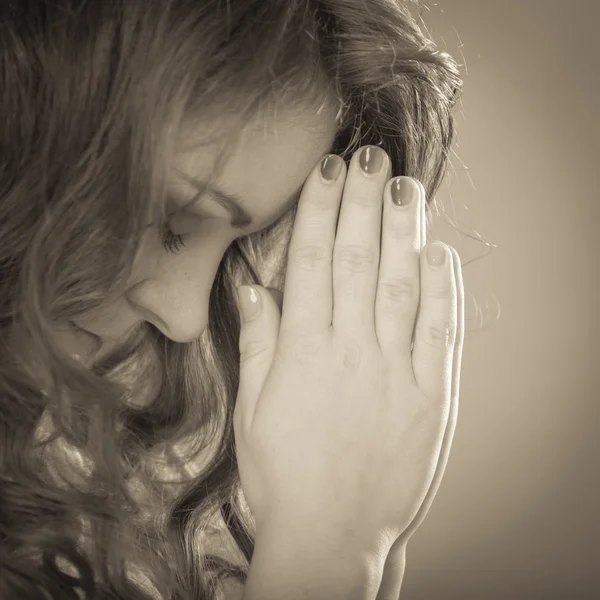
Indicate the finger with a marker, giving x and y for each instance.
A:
(358, 241)
(308, 287)
(399, 286)
(436, 328)
(423, 224)
(454, 402)
(456, 371)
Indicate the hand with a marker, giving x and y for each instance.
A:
(395, 563)
(335, 417)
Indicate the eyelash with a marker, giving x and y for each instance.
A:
(172, 242)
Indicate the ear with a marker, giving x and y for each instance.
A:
(277, 296)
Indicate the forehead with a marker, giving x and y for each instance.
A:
(266, 165)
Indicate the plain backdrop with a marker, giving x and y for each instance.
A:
(517, 515)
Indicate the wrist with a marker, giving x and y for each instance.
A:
(316, 562)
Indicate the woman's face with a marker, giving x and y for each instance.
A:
(171, 290)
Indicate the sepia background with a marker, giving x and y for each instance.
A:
(518, 513)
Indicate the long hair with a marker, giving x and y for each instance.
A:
(120, 481)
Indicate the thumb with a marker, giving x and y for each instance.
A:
(258, 340)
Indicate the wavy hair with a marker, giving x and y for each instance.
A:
(120, 482)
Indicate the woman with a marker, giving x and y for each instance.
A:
(152, 159)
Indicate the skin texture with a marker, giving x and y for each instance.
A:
(396, 560)
(171, 291)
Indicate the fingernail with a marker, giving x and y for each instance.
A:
(249, 302)
(331, 167)
(404, 192)
(436, 254)
(371, 160)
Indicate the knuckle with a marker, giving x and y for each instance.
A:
(441, 290)
(350, 356)
(250, 350)
(398, 290)
(366, 200)
(312, 257)
(355, 258)
(402, 228)
(439, 334)
(320, 203)
(301, 349)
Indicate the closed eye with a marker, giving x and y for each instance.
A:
(172, 242)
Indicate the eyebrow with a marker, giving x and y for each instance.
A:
(239, 218)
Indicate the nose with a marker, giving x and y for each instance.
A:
(179, 312)
(153, 318)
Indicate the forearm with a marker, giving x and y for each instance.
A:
(393, 573)
(311, 566)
